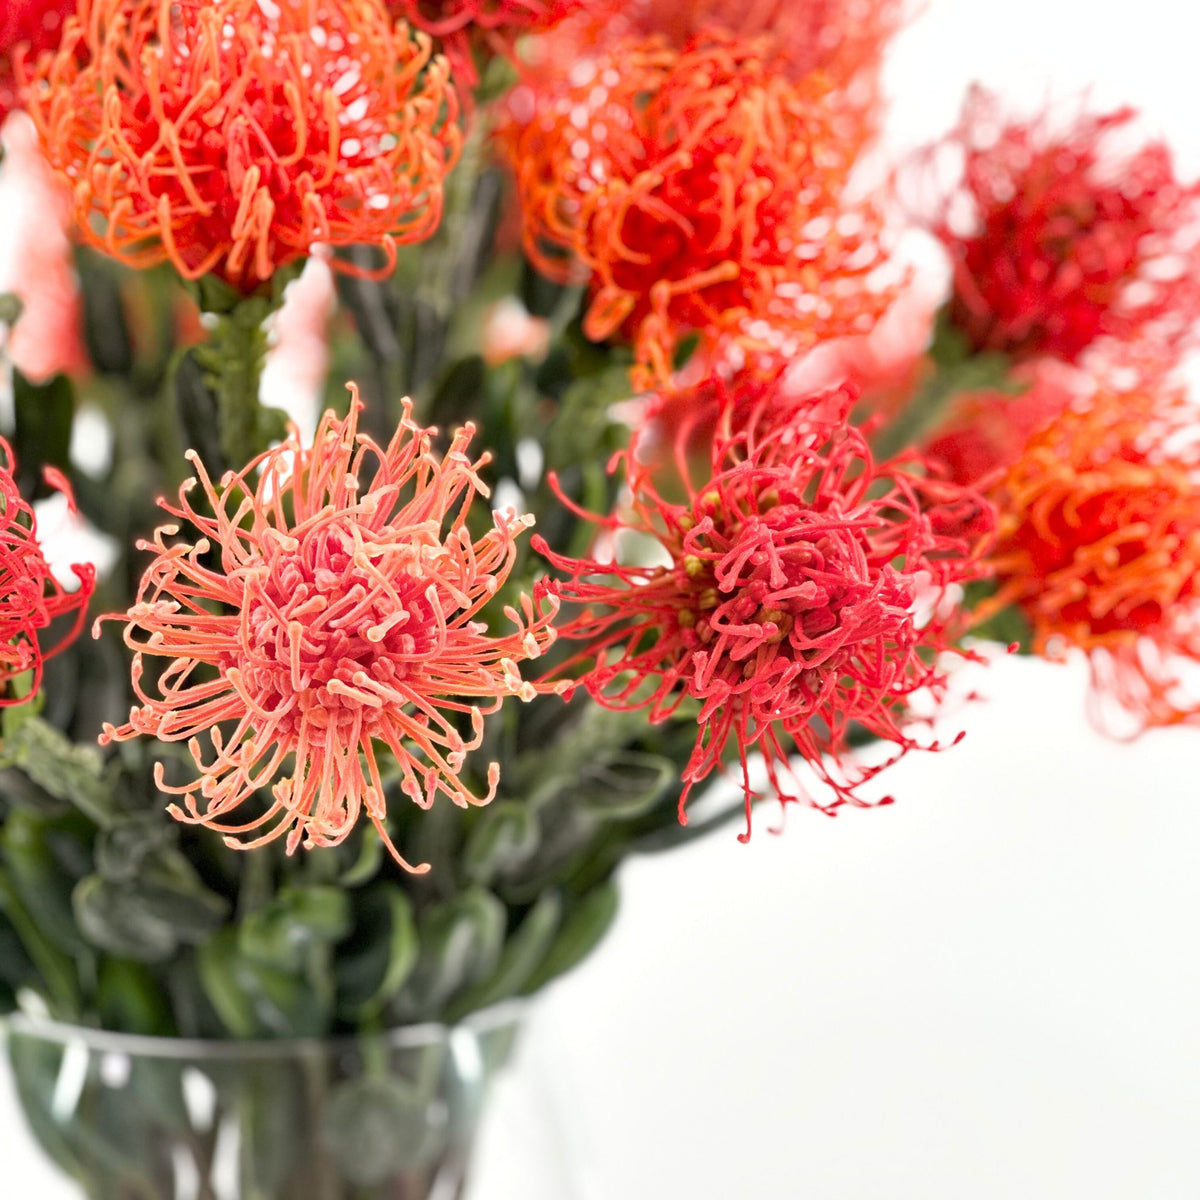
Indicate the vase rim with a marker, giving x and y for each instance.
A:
(142, 1045)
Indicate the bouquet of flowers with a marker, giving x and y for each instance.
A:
(489, 423)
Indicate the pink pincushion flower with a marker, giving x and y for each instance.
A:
(804, 592)
(31, 599)
(312, 620)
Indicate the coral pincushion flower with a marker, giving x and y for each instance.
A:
(1099, 545)
(700, 190)
(31, 599)
(458, 23)
(314, 619)
(1059, 239)
(36, 25)
(230, 136)
(804, 592)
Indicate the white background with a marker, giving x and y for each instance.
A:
(990, 989)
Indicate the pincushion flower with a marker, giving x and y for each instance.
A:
(700, 190)
(231, 136)
(1099, 546)
(803, 592)
(844, 40)
(31, 599)
(460, 24)
(34, 25)
(1059, 239)
(315, 618)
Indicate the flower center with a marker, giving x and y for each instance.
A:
(789, 603)
(333, 629)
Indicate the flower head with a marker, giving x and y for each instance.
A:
(459, 24)
(1099, 545)
(843, 40)
(700, 190)
(230, 136)
(1060, 239)
(803, 592)
(315, 617)
(36, 25)
(31, 599)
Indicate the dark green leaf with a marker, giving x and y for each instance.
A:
(623, 784)
(461, 943)
(42, 436)
(504, 837)
(374, 963)
(586, 923)
(114, 918)
(523, 954)
(297, 919)
(253, 1000)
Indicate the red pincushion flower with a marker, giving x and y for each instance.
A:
(35, 24)
(700, 190)
(230, 136)
(803, 593)
(1099, 545)
(457, 24)
(337, 618)
(30, 597)
(1059, 239)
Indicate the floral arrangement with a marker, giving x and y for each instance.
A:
(358, 712)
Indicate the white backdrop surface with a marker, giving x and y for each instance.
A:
(987, 991)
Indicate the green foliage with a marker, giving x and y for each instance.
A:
(42, 433)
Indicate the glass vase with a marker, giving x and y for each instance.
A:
(393, 1116)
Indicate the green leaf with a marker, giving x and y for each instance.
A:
(253, 1000)
(114, 918)
(296, 920)
(524, 952)
(459, 393)
(624, 784)
(60, 767)
(42, 435)
(366, 866)
(375, 962)
(121, 850)
(43, 885)
(461, 943)
(57, 969)
(587, 922)
(130, 998)
(504, 838)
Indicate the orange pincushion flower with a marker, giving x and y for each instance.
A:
(457, 23)
(803, 592)
(312, 619)
(1061, 239)
(842, 39)
(230, 136)
(1099, 544)
(700, 190)
(30, 597)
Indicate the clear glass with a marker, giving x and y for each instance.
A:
(392, 1116)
